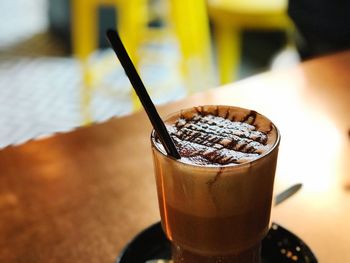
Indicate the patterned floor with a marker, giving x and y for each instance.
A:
(41, 89)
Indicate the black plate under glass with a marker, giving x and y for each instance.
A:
(279, 246)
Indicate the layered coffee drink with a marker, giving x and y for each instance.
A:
(215, 201)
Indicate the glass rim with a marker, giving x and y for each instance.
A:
(273, 147)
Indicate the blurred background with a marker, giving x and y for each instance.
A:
(57, 71)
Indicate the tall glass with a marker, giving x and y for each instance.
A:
(215, 213)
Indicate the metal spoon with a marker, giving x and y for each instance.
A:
(285, 194)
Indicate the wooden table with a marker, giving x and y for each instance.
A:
(81, 196)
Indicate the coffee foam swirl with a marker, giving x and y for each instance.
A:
(220, 135)
(214, 140)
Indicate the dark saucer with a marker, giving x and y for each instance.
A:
(279, 246)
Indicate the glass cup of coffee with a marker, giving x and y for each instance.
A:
(215, 201)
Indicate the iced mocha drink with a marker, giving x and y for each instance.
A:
(215, 201)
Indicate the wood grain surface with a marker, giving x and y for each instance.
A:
(81, 196)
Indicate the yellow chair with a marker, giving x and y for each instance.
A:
(230, 17)
(189, 20)
(132, 21)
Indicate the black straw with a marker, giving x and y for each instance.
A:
(141, 92)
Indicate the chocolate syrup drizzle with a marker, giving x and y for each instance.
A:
(208, 139)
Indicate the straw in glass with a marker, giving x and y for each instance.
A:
(141, 92)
